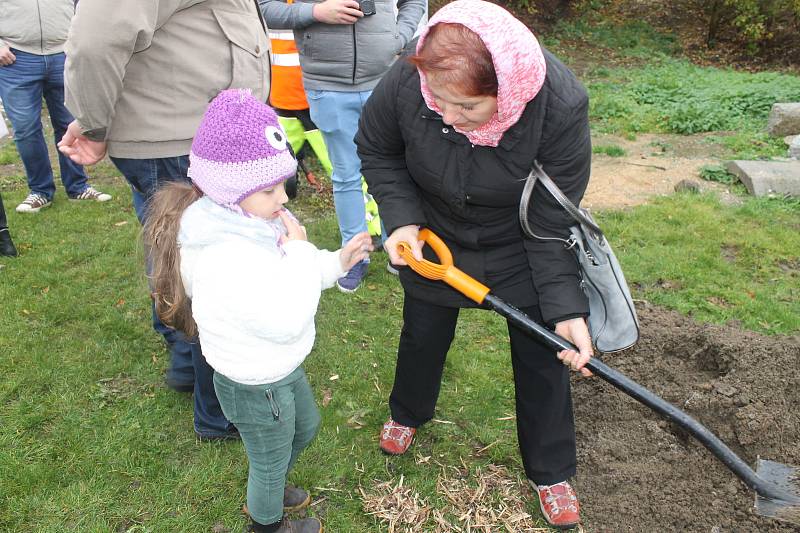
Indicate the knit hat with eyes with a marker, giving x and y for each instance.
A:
(240, 148)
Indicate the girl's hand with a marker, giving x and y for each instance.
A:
(408, 234)
(576, 331)
(357, 249)
(294, 231)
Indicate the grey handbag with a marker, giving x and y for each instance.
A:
(613, 323)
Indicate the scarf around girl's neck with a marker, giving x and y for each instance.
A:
(516, 55)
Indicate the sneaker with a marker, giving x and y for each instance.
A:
(90, 193)
(396, 438)
(559, 504)
(352, 280)
(390, 268)
(33, 203)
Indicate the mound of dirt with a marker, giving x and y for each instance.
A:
(638, 472)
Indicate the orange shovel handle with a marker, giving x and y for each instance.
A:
(445, 271)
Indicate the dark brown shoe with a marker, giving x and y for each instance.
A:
(303, 525)
(295, 498)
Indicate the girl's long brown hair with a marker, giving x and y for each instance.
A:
(160, 233)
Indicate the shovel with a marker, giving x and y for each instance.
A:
(777, 496)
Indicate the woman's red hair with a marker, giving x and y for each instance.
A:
(459, 59)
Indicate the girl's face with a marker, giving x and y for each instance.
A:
(266, 203)
(467, 113)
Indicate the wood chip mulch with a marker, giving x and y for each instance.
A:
(486, 500)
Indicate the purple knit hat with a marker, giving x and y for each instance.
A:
(240, 148)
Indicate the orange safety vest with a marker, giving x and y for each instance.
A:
(287, 79)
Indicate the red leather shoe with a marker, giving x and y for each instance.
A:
(559, 505)
(396, 438)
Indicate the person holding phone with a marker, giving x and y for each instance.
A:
(345, 47)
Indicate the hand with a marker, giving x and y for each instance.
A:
(7, 57)
(357, 249)
(576, 331)
(337, 12)
(294, 231)
(79, 148)
(409, 235)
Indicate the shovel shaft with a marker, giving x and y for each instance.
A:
(763, 487)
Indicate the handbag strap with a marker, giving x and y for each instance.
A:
(537, 173)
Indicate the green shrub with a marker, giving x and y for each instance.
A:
(675, 96)
(717, 173)
(609, 150)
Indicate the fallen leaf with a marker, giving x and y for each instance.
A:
(327, 396)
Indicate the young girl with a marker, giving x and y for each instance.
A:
(233, 265)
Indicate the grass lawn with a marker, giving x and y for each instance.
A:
(91, 440)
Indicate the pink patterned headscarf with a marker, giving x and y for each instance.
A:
(516, 54)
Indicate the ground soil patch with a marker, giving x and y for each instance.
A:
(638, 472)
(652, 165)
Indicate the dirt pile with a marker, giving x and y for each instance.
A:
(638, 472)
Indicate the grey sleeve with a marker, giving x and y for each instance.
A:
(409, 13)
(282, 16)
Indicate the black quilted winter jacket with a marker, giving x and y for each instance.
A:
(423, 172)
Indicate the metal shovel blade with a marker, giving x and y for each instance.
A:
(785, 477)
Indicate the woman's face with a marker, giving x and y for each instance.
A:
(266, 203)
(467, 113)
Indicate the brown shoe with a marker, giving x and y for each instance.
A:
(304, 525)
(295, 498)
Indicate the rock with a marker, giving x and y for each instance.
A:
(763, 178)
(794, 148)
(687, 185)
(784, 119)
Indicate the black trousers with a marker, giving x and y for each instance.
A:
(545, 424)
(3, 221)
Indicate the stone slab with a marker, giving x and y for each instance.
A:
(794, 148)
(784, 119)
(763, 178)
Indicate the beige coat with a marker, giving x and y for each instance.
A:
(139, 74)
(35, 26)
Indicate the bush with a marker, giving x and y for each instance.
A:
(756, 22)
(717, 173)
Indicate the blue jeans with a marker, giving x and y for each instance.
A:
(187, 363)
(336, 113)
(22, 85)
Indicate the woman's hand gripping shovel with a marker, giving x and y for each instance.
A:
(776, 495)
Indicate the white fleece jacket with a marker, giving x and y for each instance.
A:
(254, 305)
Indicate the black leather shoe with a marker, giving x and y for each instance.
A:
(6, 244)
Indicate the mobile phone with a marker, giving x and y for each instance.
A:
(367, 7)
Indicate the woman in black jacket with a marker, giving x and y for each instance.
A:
(446, 142)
